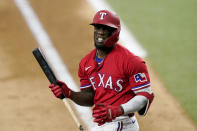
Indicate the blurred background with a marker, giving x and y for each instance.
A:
(165, 29)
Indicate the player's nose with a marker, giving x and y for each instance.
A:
(100, 30)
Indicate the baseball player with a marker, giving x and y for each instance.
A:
(113, 80)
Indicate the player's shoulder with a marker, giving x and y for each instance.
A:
(127, 55)
(88, 57)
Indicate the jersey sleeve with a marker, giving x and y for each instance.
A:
(139, 82)
(84, 81)
(138, 75)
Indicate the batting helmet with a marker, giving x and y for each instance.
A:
(104, 17)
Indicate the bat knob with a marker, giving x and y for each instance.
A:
(81, 128)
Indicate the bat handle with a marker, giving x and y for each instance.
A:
(62, 96)
(55, 83)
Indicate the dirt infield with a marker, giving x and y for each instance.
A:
(26, 102)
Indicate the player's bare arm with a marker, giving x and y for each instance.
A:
(84, 97)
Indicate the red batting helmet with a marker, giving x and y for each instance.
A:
(104, 17)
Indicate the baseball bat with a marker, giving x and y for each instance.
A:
(45, 66)
(53, 80)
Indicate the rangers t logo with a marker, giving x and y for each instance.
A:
(103, 14)
(140, 77)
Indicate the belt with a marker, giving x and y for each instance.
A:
(123, 117)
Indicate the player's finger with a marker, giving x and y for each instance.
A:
(99, 120)
(98, 111)
(101, 123)
(99, 115)
(55, 88)
(51, 85)
(58, 94)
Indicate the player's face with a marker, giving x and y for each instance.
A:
(101, 33)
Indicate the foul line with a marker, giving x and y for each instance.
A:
(50, 52)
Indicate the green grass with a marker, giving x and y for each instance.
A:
(168, 31)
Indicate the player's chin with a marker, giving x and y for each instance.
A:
(99, 45)
(103, 48)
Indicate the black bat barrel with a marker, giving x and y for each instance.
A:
(45, 67)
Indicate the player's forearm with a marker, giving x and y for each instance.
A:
(83, 98)
(134, 105)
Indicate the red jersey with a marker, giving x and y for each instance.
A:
(117, 79)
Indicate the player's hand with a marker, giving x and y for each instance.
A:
(106, 113)
(60, 89)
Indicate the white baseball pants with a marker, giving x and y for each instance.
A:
(122, 123)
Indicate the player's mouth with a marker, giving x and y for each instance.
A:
(100, 39)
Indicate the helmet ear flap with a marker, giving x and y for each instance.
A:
(109, 42)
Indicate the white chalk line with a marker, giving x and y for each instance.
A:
(52, 55)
